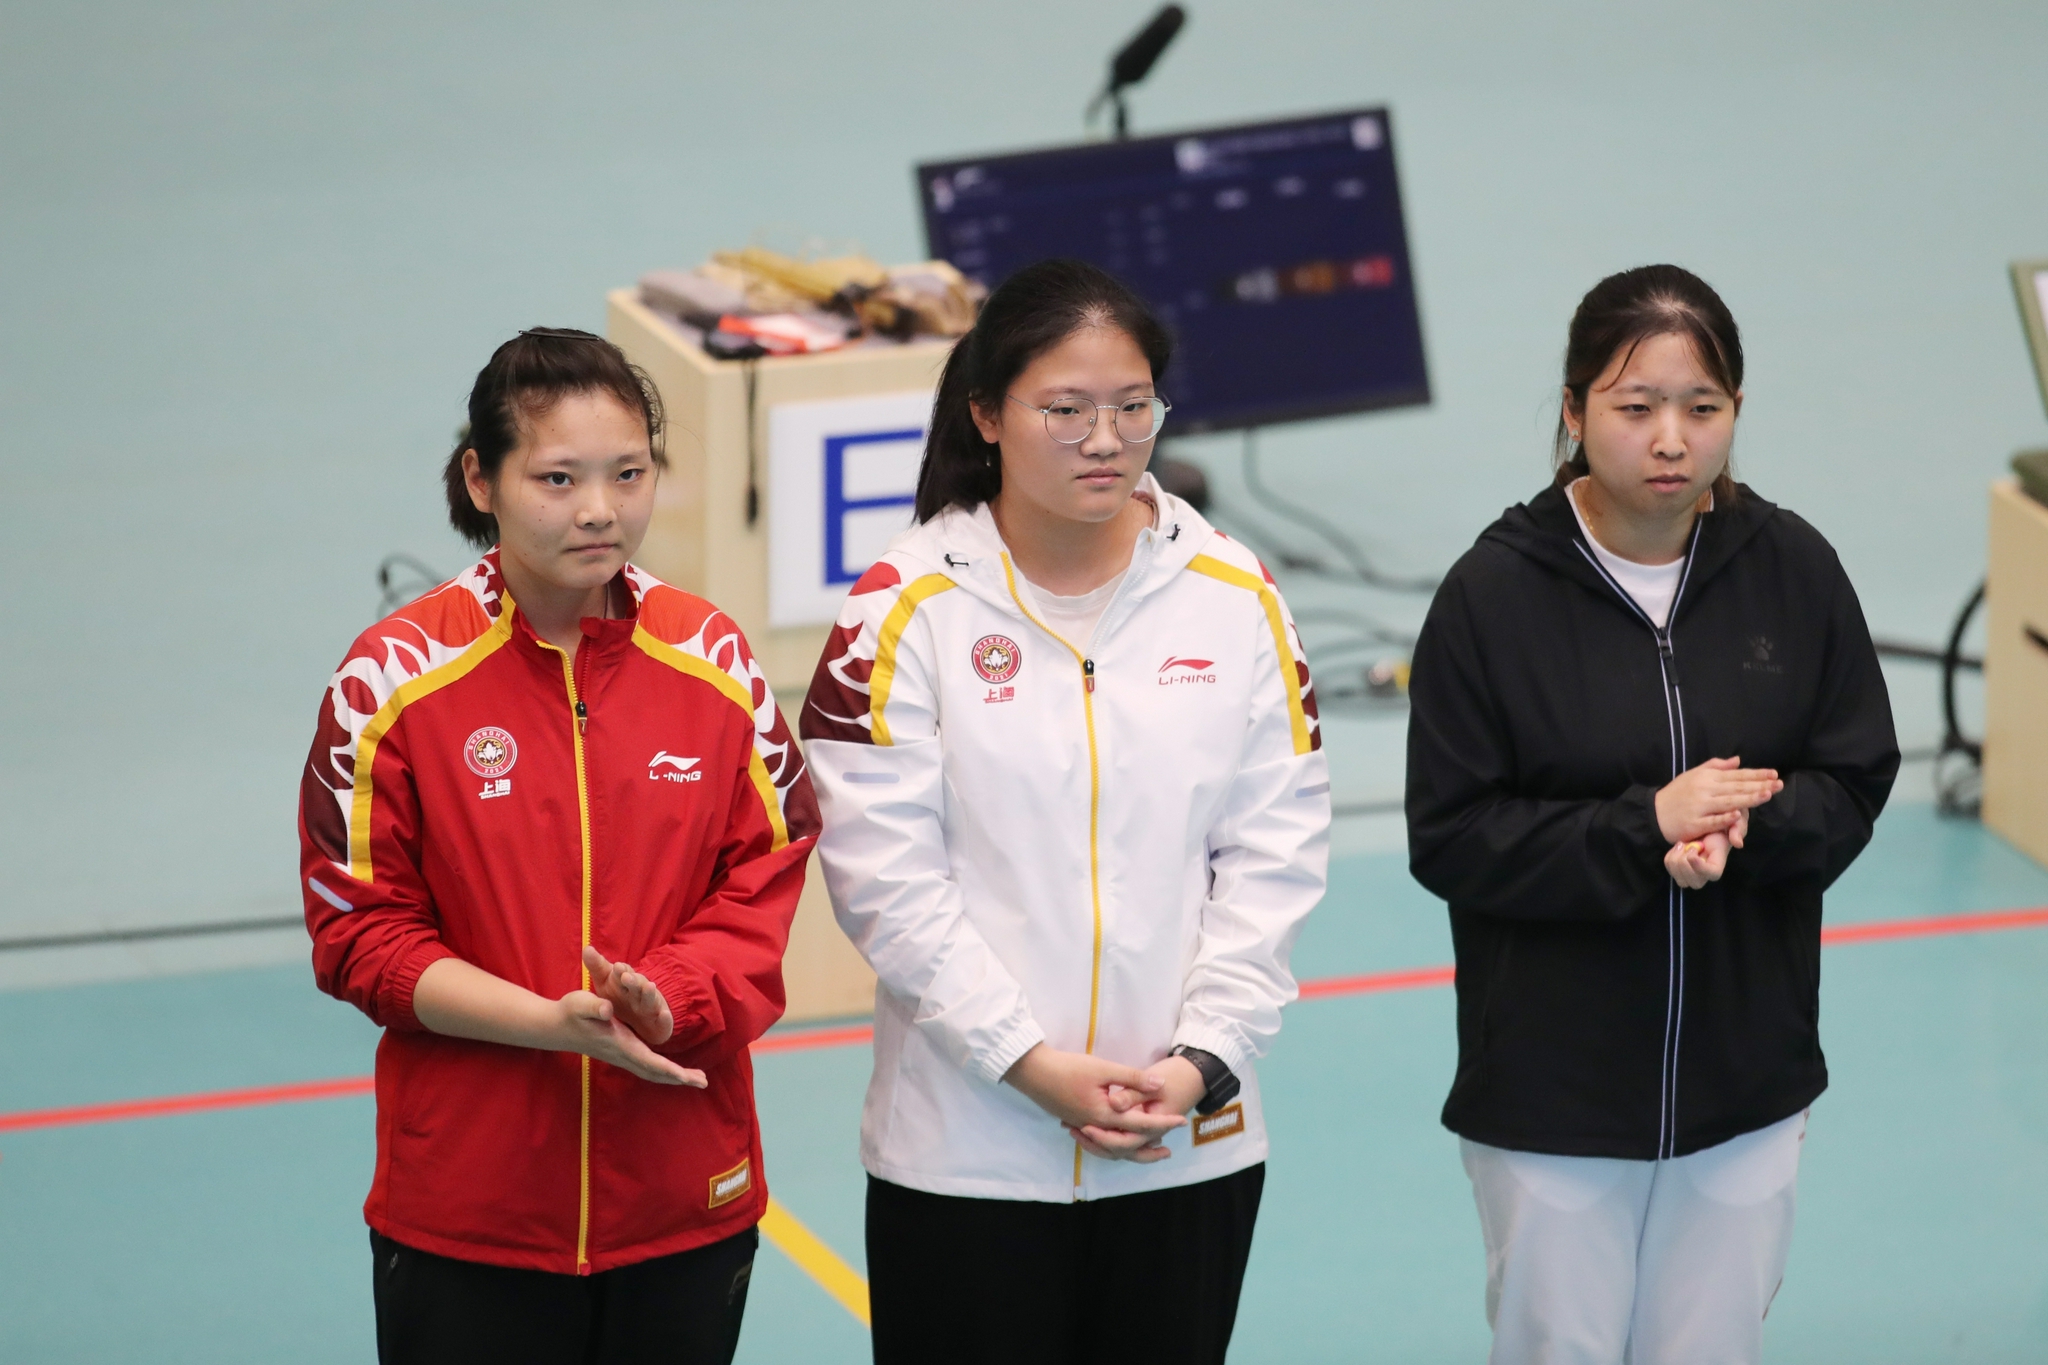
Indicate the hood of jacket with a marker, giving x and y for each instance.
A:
(967, 547)
(1545, 531)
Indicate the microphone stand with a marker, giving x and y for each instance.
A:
(1132, 62)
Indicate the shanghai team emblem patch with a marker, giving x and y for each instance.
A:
(490, 752)
(996, 658)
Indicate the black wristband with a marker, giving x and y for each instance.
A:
(1219, 1084)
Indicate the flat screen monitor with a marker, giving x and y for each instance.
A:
(1276, 252)
(2030, 282)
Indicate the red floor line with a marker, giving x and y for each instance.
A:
(185, 1104)
(1414, 978)
(1981, 922)
(823, 1037)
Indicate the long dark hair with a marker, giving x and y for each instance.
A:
(1622, 312)
(1030, 313)
(526, 376)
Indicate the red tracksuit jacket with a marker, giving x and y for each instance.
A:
(475, 792)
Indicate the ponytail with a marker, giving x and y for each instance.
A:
(960, 469)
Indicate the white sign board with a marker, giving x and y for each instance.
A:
(842, 478)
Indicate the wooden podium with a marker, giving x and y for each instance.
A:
(704, 539)
(2016, 672)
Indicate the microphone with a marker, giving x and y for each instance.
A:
(1130, 65)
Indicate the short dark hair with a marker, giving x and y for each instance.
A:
(527, 376)
(1029, 313)
(1622, 312)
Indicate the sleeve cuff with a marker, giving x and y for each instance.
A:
(693, 1025)
(1635, 820)
(995, 1064)
(397, 1012)
(1224, 1043)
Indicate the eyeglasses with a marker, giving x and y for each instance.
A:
(1069, 420)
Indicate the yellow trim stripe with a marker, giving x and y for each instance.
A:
(696, 667)
(816, 1260)
(1236, 577)
(583, 816)
(757, 768)
(893, 625)
(1094, 819)
(361, 865)
(764, 787)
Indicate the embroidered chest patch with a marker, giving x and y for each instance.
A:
(997, 658)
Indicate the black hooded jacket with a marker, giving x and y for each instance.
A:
(1602, 1011)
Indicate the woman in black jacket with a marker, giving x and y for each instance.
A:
(1648, 731)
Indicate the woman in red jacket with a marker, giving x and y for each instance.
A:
(552, 831)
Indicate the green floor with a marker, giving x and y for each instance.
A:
(1923, 1235)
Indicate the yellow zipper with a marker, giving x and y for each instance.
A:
(579, 715)
(1094, 816)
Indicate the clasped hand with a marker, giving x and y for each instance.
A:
(1114, 1111)
(1704, 812)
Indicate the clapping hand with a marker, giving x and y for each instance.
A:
(634, 998)
(607, 1022)
(621, 1019)
(1704, 812)
(590, 1024)
(1713, 798)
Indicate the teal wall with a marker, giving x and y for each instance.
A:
(252, 254)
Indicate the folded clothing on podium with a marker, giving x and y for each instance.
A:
(757, 301)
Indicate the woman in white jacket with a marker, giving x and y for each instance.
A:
(1076, 811)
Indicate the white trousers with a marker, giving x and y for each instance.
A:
(1598, 1261)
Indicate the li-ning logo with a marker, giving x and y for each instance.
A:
(678, 768)
(1759, 660)
(490, 754)
(1194, 671)
(727, 1186)
(997, 658)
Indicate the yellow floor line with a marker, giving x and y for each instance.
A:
(816, 1260)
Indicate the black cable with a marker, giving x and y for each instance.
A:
(1924, 654)
(1952, 659)
(752, 368)
(1958, 788)
(1258, 540)
(391, 595)
(1361, 567)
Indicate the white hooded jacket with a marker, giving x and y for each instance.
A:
(1108, 847)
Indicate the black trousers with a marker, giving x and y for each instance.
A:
(683, 1309)
(1151, 1276)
